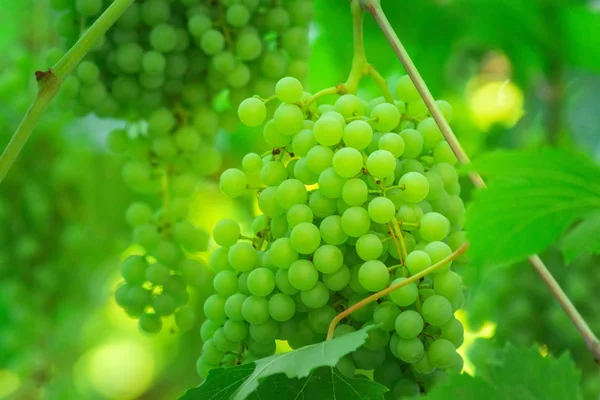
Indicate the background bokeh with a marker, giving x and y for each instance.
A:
(519, 74)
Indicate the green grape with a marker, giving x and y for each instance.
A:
(138, 214)
(214, 308)
(283, 283)
(453, 331)
(393, 143)
(212, 42)
(417, 261)
(233, 182)
(303, 142)
(267, 202)
(303, 275)
(226, 233)
(409, 324)
(410, 350)
(233, 306)
(381, 210)
(150, 323)
(133, 269)
(288, 119)
(248, 45)
(406, 90)
(235, 331)
(328, 259)
(302, 173)
(261, 282)
(157, 273)
(299, 213)
(252, 163)
(438, 251)
(413, 143)
(225, 283)
(321, 205)
(410, 213)
(447, 284)
(291, 192)
(347, 162)
(211, 354)
(237, 15)
(208, 329)
(319, 158)
(388, 373)
(255, 310)
(415, 187)
(436, 310)
(343, 329)
(252, 112)
(281, 307)
(385, 315)
(406, 388)
(387, 117)
(368, 359)
(442, 353)
(282, 253)
(337, 280)
(350, 105)
(356, 221)
(330, 183)
(381, 163)
(88, 72)
(316, 297)
(289, 90)
(377, 338)
(273, 173)
(320, 319)
(331, 230)
(355, 192)
(164, 305)
(185, 318)
(264, 333)
(443, 154)
(358, 134)
(432, 135)
(373, 275)
(406, 295)
(242, 256)
(434, 227)
(369, 247)
(328, 130)
(305, 238)
(274, 136)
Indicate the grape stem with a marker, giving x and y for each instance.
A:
(376, 296)
(49, 82)
(374, 8)
(398, 231)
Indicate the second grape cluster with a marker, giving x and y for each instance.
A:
(355, 196)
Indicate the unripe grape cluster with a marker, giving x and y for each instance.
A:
(355, 196)
(186, 53)
(176, 71)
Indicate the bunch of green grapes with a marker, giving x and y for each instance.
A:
(168, 68)
(525, 312)
(339, 179)
(184, 53)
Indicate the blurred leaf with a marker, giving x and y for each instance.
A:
(295, 364)
(583, 239)
(581, 27)
(532, 199)
(517, 375)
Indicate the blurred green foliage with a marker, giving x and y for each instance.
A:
(61, 207)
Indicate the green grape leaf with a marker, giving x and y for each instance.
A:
(583, 239)
(239, 382)
(516, 374)
(533, 197)
(321, 383)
